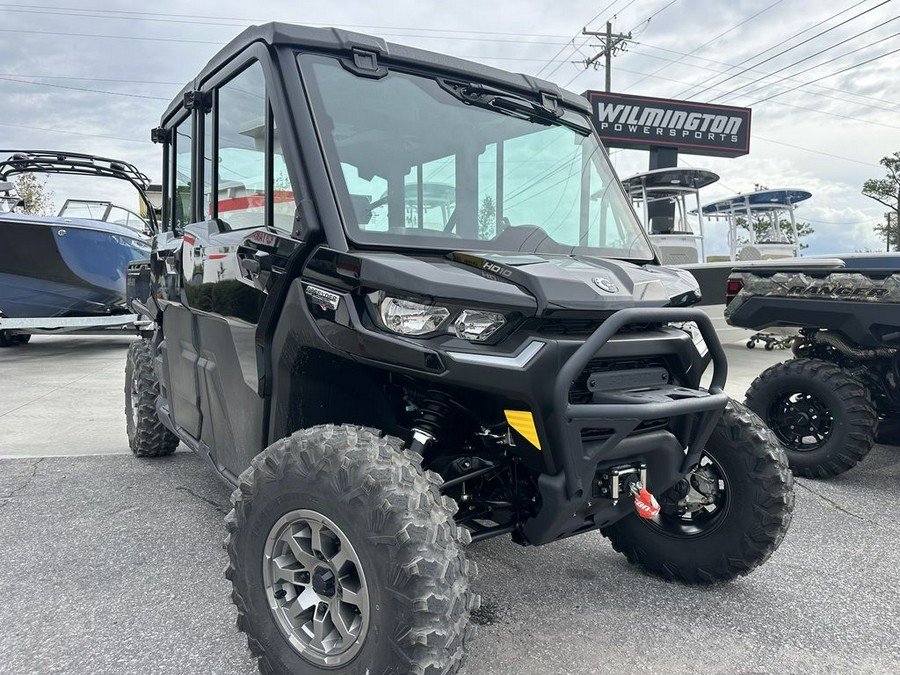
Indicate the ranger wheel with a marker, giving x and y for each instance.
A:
(344, 558)
(147, 436)
(725, 518)
(822, 415)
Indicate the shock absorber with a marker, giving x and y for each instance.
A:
(431, 416)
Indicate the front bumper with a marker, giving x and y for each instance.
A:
(578, 440)
(569, 504)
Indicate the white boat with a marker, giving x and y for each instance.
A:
(668, 200)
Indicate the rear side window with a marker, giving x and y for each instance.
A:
(182, 180)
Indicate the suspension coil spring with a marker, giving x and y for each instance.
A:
(431, 417)
(433, 412)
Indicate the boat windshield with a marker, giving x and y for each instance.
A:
(8, 204)
(103, 211)
(454, 165)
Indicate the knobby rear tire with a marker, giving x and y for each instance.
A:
(854, 420)
(147, 435)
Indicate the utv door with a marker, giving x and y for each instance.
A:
(230, 257)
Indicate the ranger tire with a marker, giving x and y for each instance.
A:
(822, 415)
(744, 473)
(389, 564)
(147, 436)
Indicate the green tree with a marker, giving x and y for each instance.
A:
(886, 191)
(487, 218)
(37, 197)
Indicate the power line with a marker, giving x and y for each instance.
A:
(709, 42)
(220, 43)
(611, 43)
(563, 48)
(825, 77)
(94, 79)
(72, 133)
(112, 37)
(753, 70)
(805, 30)
(586, 41)
(235, 22)
(817, 152)
(788, 105)
(650, 18)
(807, 58)
(842, 99)
(95, 91)
(794, 76)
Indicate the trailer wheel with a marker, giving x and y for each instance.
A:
(822, 415)
(344, 558)
(7, 339)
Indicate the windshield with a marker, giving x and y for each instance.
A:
(459, 166)
(103, 211)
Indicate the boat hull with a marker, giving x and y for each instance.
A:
(54, 267)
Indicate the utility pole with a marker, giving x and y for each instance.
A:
(610, 44)
(887, 221)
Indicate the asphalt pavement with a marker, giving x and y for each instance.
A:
(109, 564)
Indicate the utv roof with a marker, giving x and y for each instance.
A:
(341, 42)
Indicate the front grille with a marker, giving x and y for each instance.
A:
(600, 434)
(579, 392)
(579, 327)
(584, 327)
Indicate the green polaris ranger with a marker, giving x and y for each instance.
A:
(401, 303)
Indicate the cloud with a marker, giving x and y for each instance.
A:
(525, 36)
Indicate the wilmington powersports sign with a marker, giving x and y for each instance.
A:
(643, 122)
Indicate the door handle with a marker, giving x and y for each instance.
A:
(260, 262)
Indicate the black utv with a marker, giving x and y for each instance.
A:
(401, 303)
(841, 391)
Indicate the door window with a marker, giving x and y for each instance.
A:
(242, 115)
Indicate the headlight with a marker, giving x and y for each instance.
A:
(411, 318)
(477, 325)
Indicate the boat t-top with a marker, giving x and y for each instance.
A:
(669, 202)
(771, 207)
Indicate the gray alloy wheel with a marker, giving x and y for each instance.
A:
(344, 559)
(316, 587)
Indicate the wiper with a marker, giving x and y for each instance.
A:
(512, 105)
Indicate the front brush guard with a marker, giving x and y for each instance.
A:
(570, 419)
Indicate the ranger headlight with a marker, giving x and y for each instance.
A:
(411, 318)
(477, 325)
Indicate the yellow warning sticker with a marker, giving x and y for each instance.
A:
(523, 422)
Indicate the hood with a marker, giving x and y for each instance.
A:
(584, 283)
(536, 284)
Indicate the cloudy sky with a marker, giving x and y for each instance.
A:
(94, 76)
